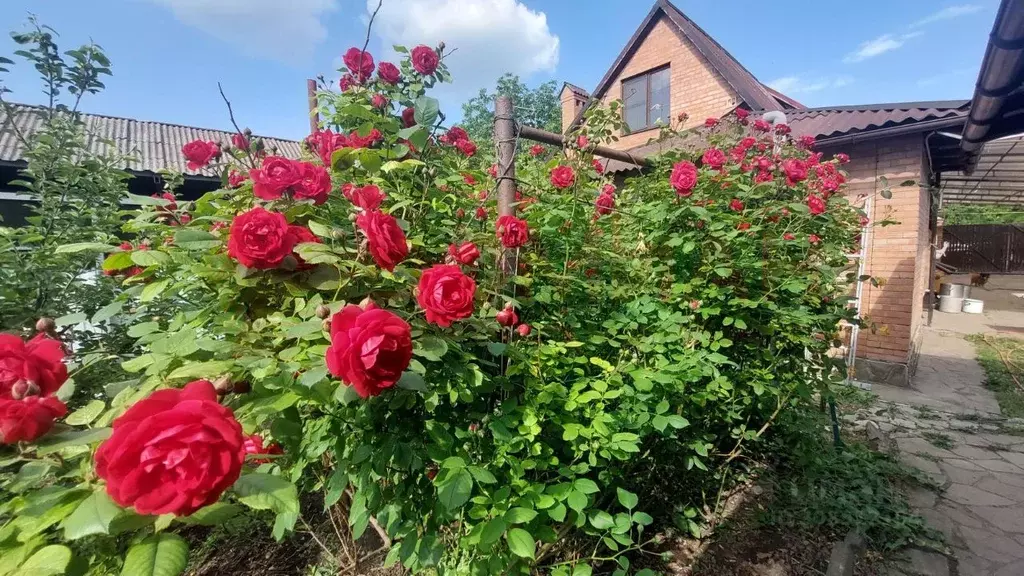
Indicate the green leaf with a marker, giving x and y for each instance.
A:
(582, 570)
(492, 531)
(427, 109)
(71, 319)
(887, 194)
(163, 554)
(521, 543)
(210, 369)
(482, 476)
(455, 490)
(496, 348)
(56, 442)
(137, 200)
(153, 290)
(586, 485)
(431, 348)
(261, 491)
(557, 513)
(107, 312)
(412, 381)
(212, 515)
(519, 515)
(601, 520)
(142, 329)
(627, 498)
(47, 561)
(84, 247)
(577, 500)
(149, 257)
(195, 240)
(92, 516)
(85, 414)
(313, 376)
(118, 261)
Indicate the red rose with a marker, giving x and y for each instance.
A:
(682, 117)
(805, 142)
(513, 232)
(325, 142)
(711, 122)
(199, 153)
(743, 226)
(842, 158)
(446, 294)
(598, 167)
(795, 170)
(346, 82)
(507, 316)
(741, 115)
(493, 171)
(684, 178)
(481, 213)
(536, 150)
(582, 141)
(747, 143)
(27, 419)
(368, 197)
(409, 117)
(359, 63)
(276, 177)
(736, 205)
(424, 60)
(762, 125)
(815, 204)
(604, 204)
(468, 179)
(388, 73)
(453, 135)
(714, 158)
(524, 330)
(782, 129)
(763, 176)
(253, 445)
(813, 239)
(315, 183)
(608, 189)
(562, 177)
(386, 238)
(788, 236)
(260, 239)
(465, 253)
(172, 452)
(302, 235)
(466, 147)
(379, 101)
(240, 141)
(369, 348)
(460, 213)
(864, 220)
(357, 141)
(235, 179)
(38, 362)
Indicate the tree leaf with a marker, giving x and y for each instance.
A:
(313, 376)
(153, 290)
(107, 312)
(601, 520)
(586, 485)
(412, 381)
(519, 515)
(47, 561)
(455, 490)
(492, 531)
(430, 347)
(261, 491)
(56, 442)
(163, 554)
(71, 319)
(210, 369)
(191, 239)
(84, 247)
(149, 257)
(86, 414)
(118, 261)
(577, 500)
(521, 543)
(627, 498)
(212, 515)
(426, 112)
(92, 516)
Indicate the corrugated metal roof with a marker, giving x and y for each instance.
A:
(843, 120)
(576, 90)
(153, 146)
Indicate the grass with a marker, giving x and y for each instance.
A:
(938, 439)
(1002, 359)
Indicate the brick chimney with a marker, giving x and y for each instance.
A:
(573, 98)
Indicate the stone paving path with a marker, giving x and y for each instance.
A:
(948, 426)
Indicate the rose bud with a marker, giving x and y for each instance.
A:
(474, 427)
(45, 324)
(242, 387)
(524, 330)
(326, 325)
(507, 317)
(223, 385)
(323, 311)
(460, 213)
(431, 473)
(694, 304)
(23, 389)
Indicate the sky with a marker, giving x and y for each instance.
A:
(168, 55)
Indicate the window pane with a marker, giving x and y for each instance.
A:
(660, 108)
(634, 98)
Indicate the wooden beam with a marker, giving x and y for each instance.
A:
(545, 137)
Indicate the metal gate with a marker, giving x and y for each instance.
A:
(985, 248)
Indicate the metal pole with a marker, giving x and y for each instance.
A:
(314, 116)
(505, 137)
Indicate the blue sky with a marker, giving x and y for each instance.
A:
(168, 55)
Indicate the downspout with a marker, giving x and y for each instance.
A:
(935, 206)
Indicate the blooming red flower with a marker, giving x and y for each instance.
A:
(38, 362)
(467, 147)
(711, 122)
(409, 117)
(714, 158)
(843, 158)
(795, 170)
(762, 125)
(742, 115)
(346, 81)
(388, 73)
(562, 177)
(253, 446)
(864, 220)
(582, 141)
(782, 129)
(684, 178)
(460, 213)
(493, 171)
(359, 63)
(513, 232)
(465, 253)
(736, 205)
(813, 239)
(387, 242)
(805, 142)
(507, 316)
(743, 226)
(260, 239)
(325, 142)
(240, 141)
(469, 179)
(815, 204)
(481, 213)
(27, 419)
(276, 177)
(524, 330)
(424, 60)
(608, 189)
(315, 183)
(788, 236)
(536, 150)
(357, 141)
(369, 348)
(453, 135)
(368, 197)
(682, 117)
(598, 167)
(445, 294)
(235, 179)
(604, 204)
(199, 153)
(172, 452)
(379, 101)
(763, 176)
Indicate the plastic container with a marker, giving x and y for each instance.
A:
(973, 306)
(955, 290)
(951, 304)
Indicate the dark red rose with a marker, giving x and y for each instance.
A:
(684, 178)
(325, 142)
(302, 235)
(315, 183)
(562, 177)
(379, 101)
(536, 150)
(864, 221)
(467, 147)
(805, 142)
(683, 117)
(386, 239)
(260, 239)
(469, 179)
(253, 446)
(493, 171)
(465, 253)
(743, 226)
(788, 236)
(795, 170)
(368, 197)
(346, 82)
(742, 115)
(582, 141)
(604, 204)
(714, 158)
(424, 60)
(409, 117)
(747, 143)
(513, 232)
(711, 122)
(608, 189)
(199, 153)
(782, 129)
(445, 294)
(388, 73)
(598, 167)
(736, 205)
(507, 316)
(369, 348)
(524, 330)
(763, 176)
(815, 204)
(762, 126)
(172, 452)
(235, 179)
(460, 213)
(453, 135)
(481, 213)
(276, 177)
(843, 158)
(240, 141)
(359, 63)
(357, 141)
(813, 239)
(27, 419)
(38, 362)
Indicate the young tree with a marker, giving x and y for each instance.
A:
(538, 107)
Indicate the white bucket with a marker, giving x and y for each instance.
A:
(950, 304)
(973, 306)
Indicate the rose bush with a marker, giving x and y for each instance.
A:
(485, 392)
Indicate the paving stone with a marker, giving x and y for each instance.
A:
(960, 475)
(1015, 569)
(1015, 458)
(1007, 519)
(990, 546)
(971, 496)
(931, 469)
(972, 453)
(922, 498)
(959, 514)
(943, 523)
(999, 466)
(994, 486)
(1009, 478)
(971, 565)
(922, 446)
(1004, 439)
(963, 464)
(925, 563)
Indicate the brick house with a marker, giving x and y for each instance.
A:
(670, 65)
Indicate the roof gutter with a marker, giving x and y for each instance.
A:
(868, 135)
(1001, 73)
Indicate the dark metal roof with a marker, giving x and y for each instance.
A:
(576, 90)
(997, 178)
(153, 146)
(829, 122)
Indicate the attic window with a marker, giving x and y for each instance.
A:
(645, 99)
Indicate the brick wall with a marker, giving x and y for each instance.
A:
(897, 254)
(696, 88)
(571, 105)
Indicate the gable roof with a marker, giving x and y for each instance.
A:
(756, 95)
(836, 121)
(575, 90)
(154, 146)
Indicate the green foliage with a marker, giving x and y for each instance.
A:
(1001, 358)
(954, 214)
(538, 107)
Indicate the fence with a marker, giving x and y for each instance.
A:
(985, 248)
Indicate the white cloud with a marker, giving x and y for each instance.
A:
(287, 31)
(878, 46)
(802, 85)
(947, 13)
(490, 37)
